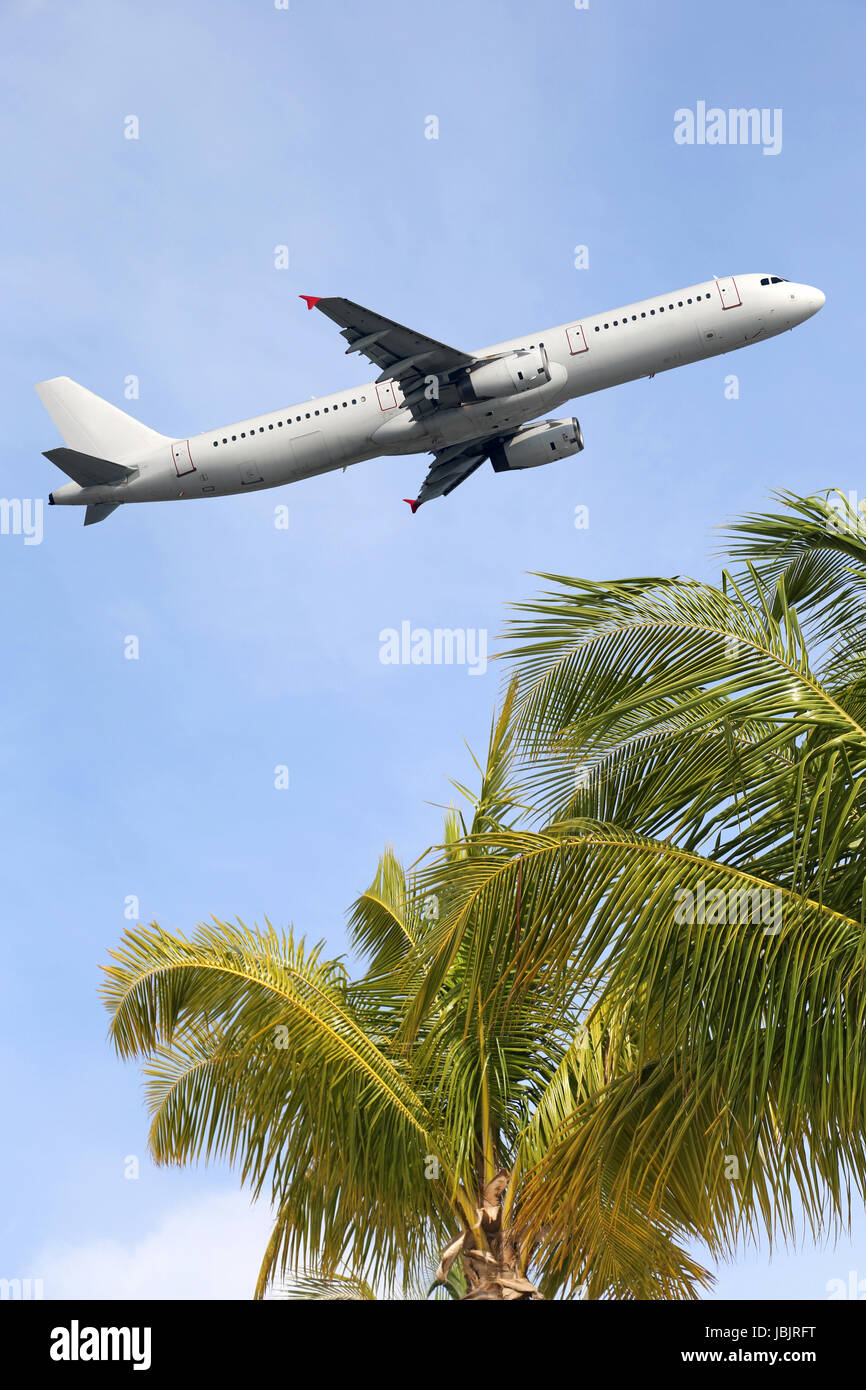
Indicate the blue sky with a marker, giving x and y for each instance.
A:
(154, 258)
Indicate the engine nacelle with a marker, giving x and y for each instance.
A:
(507, 376)
(538, 444)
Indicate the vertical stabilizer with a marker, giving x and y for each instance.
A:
(93, 426)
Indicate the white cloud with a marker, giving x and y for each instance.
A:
(211, 1249)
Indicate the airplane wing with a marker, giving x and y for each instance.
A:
(450, 468)
(410, 358)
(401, 354)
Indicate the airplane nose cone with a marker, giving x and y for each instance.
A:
(815, 299)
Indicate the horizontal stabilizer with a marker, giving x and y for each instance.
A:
(87, 470)
(98, 511)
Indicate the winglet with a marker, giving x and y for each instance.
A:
(312, 299)
(412, 503)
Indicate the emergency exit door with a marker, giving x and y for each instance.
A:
(576, 339)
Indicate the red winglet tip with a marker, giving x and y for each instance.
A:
(312, 299)
(412, 503)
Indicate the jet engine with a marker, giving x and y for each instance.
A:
(506, 376)
(538, 444)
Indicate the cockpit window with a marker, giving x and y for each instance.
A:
(766, 280)
(774, 280)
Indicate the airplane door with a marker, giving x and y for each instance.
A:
(728, 293)
(576, 339)
(182, 458)
(310, 455)
(385, 392)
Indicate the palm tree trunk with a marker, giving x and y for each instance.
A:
(492, 1257)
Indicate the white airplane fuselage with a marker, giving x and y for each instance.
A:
(367, 421)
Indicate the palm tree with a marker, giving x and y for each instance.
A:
(617, 1010)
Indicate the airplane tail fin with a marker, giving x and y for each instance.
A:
(91, 426)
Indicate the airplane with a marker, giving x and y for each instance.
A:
(463, 407)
